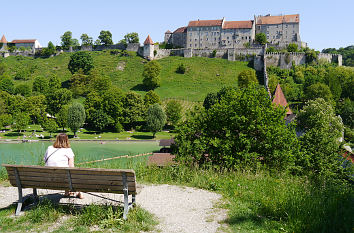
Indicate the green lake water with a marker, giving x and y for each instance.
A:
(32, 153)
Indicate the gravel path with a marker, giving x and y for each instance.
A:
(179, 209)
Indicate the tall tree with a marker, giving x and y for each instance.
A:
(173, 112)
(86, 40)
(21, 120)
(76, 117)
(40, 85)
(80, 60)
(105, 37)
(66, 40)
(151, 97)
(155, 118)
(132, 37)
(56, 99)
(133, 108)
(151, 74)
(62, 117)
(246, 78)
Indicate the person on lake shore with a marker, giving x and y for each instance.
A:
(61, 155)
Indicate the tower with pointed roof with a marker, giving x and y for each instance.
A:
(279, 99)
(3, 42)
(148, 48)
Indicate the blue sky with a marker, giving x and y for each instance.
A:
(323, 23)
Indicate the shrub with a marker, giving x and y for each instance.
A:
(213, 54)
(247, 77)
(261, 38)
(181, 69)
(292, 47)
(155, 119)
(80, 60)
(151, 74)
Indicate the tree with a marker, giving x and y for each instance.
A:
(66, 40)
(54, 82)
(133, 108)
(322, 129)
(75, 43)
(7, 84)
(80, 60)
(261, 38)
(151, 98)
(105, 37)
(155, 119)
(210, 100)
(112, 104)
(78, 83)
(50, 125)
(23, 89)
(21, 120)
(246, 77)
(76, 117)
(56, 99)
(3, 68)
(40, 85)
(50, 50)
(318, 90)
(173, 112)
(62, 117)
(5, 120)
(151, 74)
(292, 48)
(35, 106)
(346, 111)
(99, 83)
(100, 120)
(86, 40)
(132, 37)
(181, 69)
(243, 129)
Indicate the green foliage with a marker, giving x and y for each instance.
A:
(56, 99)
(181, 69)
(105, 37)
(151, 74)
(273, 81)
(76, 117)
(62, 117)
(292, 48)
(271, 50)
(23, 89)
(322, 129)
(40, 85)
(133, 108)
(151, 98)
(35, 106)
(86, 40)
(311, 55)
(242, 129)
(66, 40)
(246, 78)
(210, 100)
(99, 120)
(319, 90)
(261, 38)
(78, 83)
(50, 125)
(132, 37)
(213, 54)
(5, 120)
(54, 82)
(7, 84)
(347, 53)
(155, 118)
(21, 120)
(173, 112)
(99, 83)
(3, 68)
(80, 60)
(346, 111)
(50, 50)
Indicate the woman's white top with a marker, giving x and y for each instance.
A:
(58, 157)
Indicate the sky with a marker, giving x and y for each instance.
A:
(323, 24)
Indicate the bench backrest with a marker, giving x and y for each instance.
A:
(73, 179)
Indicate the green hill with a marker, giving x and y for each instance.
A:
(203, 75)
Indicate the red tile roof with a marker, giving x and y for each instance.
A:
(237, 24)
(24, 41)
(180, 30)
(168, 32)
(3, 39)
(205, 23)
(278, 19)
(148, 40)
(279, 99)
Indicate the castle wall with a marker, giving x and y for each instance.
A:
(133, 47)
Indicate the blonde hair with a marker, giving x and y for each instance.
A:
(61, 141)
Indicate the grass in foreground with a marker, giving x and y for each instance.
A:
(90, 218)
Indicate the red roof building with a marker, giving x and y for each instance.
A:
(148, 40)
(237, 24)
(278, 19)
(205, 23)
(279, 99)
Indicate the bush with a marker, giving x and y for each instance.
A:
(151, 74)
(181, 69)
(80, 60)
(246, 77)
(261, 38)
(213, 54)
(292, 47)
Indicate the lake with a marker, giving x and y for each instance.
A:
(32, 153)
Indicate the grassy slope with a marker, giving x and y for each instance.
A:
(203, 75)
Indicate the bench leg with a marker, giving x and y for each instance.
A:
(133, 200)
(126, 204)
(20, 201)
(35, 195)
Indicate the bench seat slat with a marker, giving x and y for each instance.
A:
(101, 177)
(41, 179)
(102, 173)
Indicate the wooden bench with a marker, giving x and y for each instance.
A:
(73, 179)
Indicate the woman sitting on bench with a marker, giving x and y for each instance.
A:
(61, 155)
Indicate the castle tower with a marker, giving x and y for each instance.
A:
(168, 39)
(3, 41)
(279, 99)
(148, 48)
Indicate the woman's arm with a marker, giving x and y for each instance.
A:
(71, 162)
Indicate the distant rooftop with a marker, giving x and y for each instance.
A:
(148, 40)
(279, 99)
(205, 23)
(268, 19)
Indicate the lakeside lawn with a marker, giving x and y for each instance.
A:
(83, 134)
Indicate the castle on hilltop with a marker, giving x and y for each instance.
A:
(217, 34)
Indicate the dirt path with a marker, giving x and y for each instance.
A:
(179, 209)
